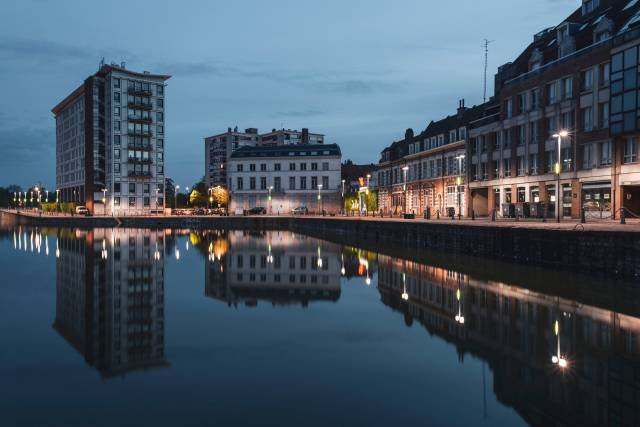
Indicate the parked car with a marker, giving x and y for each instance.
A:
(82, 210)
(300, 210)
(258, 210)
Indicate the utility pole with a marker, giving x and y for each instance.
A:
(486, 60)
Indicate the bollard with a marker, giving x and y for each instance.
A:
(623, 220)
(473, 215)
(438, 214)
(583, 216)
(493, 215)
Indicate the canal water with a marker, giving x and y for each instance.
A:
(179, 327)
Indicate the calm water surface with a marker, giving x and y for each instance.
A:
(160, 327)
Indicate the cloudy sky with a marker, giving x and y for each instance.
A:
(359, 71)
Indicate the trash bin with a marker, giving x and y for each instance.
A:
(508, 210)
(451, 212)
(523, 210)
(536, 210)
(427, 213)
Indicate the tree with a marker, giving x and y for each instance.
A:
(220, 196)
(169, 192)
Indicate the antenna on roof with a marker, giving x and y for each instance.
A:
(101, 63)
(486, 61)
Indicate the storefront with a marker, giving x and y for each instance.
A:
(596, 199)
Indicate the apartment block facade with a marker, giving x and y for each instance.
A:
(579, 77)
(283, 177)
(218, 148)
(427, 171)
(110, 142)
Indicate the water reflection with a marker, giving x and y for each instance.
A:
(110, 298)
(554, 360)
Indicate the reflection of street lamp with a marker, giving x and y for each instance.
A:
(343, 208)
(404, 187)
(459, 184)
(459, 316)
(320, 199)
(405, 295)
(342, 269)
(270, 203)
(557, 358)
(561, 134)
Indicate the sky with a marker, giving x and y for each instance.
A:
(358, 71)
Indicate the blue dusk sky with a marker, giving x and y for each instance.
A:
(360, 72)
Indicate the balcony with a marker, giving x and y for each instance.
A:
(142, 175)
(134, 146)
(138, 133)
(139, 119)
(138, 91)
(135, 160)
(141, 105)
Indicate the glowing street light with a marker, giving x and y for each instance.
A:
(459, 317)
(270, 203)
(320, 199)
(561, 134)
(558, 359)
(405, 295)
(343, 209)
(405, 170)
(342, 269)
(459, 180)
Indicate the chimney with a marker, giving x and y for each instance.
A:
(461, 108)
(229, 130)
(305, 135)
(408, 135)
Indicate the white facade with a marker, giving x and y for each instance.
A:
(218, 149)
(296, 175)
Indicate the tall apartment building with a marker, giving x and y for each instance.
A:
(283, 177)
(427, 171)
(579, 76)
(218, 148)
(110, 142)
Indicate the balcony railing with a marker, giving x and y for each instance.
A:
(138, 133)
(133, 174)
(139, 91)
(139, 119)
(134, 146)
(140, 105)
(135, 160)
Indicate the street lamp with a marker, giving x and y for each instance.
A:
(561, 134)
(405, 170)
(47, 196)
(187, 188)
(320, 199)
(343, 208)
(175, 196)
(104, 201)
(57, 196)
(459, 184)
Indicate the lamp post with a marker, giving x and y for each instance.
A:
(104, 201)
(405, 170)
(175, 196)
(459, 184)
(343, 208)
(47, 191)
(187, 188)
(270, 203)
(319, 199)
(57, 196)
(561, 134)
(157, 191)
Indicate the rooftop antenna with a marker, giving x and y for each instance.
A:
(101, 62)
(486, 60)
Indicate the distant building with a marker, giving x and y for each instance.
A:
(110, 142)
(283, 177)
(353, 174)
(218, 148)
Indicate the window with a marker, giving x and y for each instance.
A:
(325, 166)
(314, 182)
(132, 201)
(160, 116)
(252, 183)
(522, 102)
(568, 87)
(303, 166)
(605, 153)
(452, 136)
(552, 92)
(603, 121)
(276, 167)
(116, 98)
(605, 74)
(132, 188)
(303, 182)
(589, 6)
(116, 140)
(116, 201)
(116, 82)
(522, 165)
(277, 183)
(587, 118)
(292, 166)
(116, 125)
(145, 201)
(522, 134)
(325, 182)
(240, 183)
(533, 164)
(160, 90)
(506, 167)
(534, 99)
(551, 161)
(587, 156)
(292, 183)
(239, 167)
(533, 132)
(146, 188)
(263, 183)
(630, 150)
(160, 103)
(116, 154)
(252, 167)
(587, 80)
(508, 108)
(263, 167)
(116, 168)
(314, 166)
(160, 156)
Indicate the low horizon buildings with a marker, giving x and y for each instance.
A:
(110, 142)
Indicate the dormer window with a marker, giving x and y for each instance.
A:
(535, 61)
(452, 136)
(589, 6)
(603, 29)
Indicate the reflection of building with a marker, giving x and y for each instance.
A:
(110, 298)
(279, 267)
(513, 330)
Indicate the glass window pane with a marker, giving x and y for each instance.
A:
(629, 101)
(631, 57)
(630, 79)
(616, 62)
(616, 104)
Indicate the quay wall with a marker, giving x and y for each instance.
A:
(613, 253)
